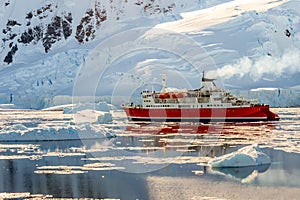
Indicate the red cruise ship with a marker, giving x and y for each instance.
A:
(206, 104)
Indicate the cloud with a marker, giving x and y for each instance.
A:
(288, 62)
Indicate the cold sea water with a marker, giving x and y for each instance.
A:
(155, 161)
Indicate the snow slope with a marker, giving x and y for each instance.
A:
(58, 47)
(194, 22)
(252, 43)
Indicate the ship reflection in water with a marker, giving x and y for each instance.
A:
(196, 128)
(141, 158)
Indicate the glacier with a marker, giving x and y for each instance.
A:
(245, 44)
(275, 97)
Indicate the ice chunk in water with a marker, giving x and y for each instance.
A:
(247, 156)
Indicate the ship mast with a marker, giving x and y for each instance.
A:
(164, 81)
(207, 83)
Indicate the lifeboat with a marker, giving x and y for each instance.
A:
(178, 95)
(164, 95)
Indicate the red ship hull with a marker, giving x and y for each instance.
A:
(252, 113)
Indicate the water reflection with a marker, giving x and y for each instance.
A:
(200, 128)
(245, 174)
(197, 128)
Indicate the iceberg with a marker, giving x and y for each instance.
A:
(82, 132)
(247, 156)
(90, 112)
(74, 108)
(64, 122)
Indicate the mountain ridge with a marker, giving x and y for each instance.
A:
(44, 46)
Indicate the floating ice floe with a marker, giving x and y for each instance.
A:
(90, 112)
(101, 106)
(8, 106)
(23, 195)
(53, 124)
(46, 133)
(247, 156)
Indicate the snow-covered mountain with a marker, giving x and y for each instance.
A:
(48, 48)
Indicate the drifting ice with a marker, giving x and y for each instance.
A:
(101, 106)
(81, 121)
(244, 157)
(90, 112)
(85, 131)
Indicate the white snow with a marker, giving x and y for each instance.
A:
(47, 133)
(229, 31)
(101, 106)
(247, 156)
(198, 20)
(90, 112)
(237, 37)
(262, 89)
(8, 106)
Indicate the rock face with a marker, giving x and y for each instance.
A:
(34, 31)
(85, 31)
(49, 24)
